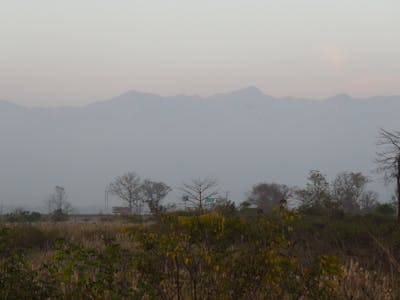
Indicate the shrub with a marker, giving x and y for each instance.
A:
(17, 280)
(385, 209)
(20, 215)
(209, 256)
(278, 256)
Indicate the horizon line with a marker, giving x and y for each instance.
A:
(250, 88)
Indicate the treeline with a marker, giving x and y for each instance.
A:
(346, 194)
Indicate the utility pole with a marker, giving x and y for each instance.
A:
(106, 192)
(227, 195)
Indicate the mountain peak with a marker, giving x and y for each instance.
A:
(339, 98)
(248, 91)
(11, 105)
(128, 97)
(135, 93)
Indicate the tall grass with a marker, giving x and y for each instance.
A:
(202, 257)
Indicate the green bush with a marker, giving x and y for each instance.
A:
(20, 215)
(385, 209)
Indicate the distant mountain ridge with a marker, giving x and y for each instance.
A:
(241, 94)
(242, 137)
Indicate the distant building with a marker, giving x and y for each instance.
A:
(120, 210)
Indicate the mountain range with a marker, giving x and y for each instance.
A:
(242, 138)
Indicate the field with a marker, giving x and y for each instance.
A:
(213, 255)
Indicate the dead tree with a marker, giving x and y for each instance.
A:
(128, 188)
(57, 204)
(388, 160)
(198, 190)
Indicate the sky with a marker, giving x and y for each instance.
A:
(75, 52)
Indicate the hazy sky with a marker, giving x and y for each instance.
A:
(73, 52)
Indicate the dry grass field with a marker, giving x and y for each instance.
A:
(195, 257)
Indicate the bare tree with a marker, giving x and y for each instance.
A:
(369, 201)
(388, 160)
(269, 195)
(128, 188)
(197, 190)
(153, 193)
(57, 204)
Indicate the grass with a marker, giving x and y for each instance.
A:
(210, 256)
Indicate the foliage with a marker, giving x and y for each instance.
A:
(386, 209)
(316, 197)
(153, 193)
(17, 280)
(347, 194)
(92, 273)
(198, 256)
(224, 207)
(209, 256)
(349, 191)
(20, 215)
(267, 196)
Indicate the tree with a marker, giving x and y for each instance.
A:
(197, 190)
(21, 215)
(153, 193)
(244, 205)
(388, 160)
(269, 195)
(369, 201)
(128, 188)
(57, 204)
(349, 191)
(225, 207)
(316, 196)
